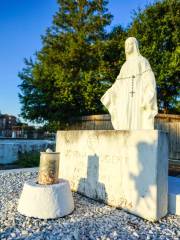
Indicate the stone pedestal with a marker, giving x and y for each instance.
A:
(46, 201)
(174, 195)
(125, 169)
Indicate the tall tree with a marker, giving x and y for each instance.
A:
(65, 79)
(113, 54)
(158, 29)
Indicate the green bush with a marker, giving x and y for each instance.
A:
(28, 159)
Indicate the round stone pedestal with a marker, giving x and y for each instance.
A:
(46, 201)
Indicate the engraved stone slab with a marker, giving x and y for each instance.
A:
(126, 169)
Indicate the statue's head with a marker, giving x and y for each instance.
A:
(131, 47)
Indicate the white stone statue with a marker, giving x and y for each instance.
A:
(132, 101)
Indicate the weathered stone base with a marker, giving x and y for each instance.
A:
(46, 201)
(174, 195)
(126, 169)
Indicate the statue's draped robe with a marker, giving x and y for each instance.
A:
(132, 101)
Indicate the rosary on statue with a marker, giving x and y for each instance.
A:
(132, 81)
(132, 85)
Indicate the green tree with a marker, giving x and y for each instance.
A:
(79, 61)
(157, 29)
(65, 78)
(113, 55)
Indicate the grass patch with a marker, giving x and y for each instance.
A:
(28, 159)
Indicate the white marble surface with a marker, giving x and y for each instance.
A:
(127, 169)
(131, 100)
(174, 195)
(46, 201)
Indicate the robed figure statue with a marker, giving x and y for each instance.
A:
(132, 101)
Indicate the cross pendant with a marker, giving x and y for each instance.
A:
(132, 86)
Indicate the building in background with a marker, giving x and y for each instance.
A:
(7, 122)
(12, 127)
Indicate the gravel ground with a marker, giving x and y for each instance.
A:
(90, 220)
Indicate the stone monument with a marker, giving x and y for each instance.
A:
(126, 167)
(131, 101)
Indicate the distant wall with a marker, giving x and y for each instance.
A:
(167, 122)
(9, 148)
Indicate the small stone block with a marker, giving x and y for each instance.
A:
(46, 201)
(174, 195)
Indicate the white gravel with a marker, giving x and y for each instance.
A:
(90, 220)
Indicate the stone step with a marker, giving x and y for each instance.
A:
(174, 195)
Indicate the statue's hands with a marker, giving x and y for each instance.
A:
(143, 106)
(146, 107)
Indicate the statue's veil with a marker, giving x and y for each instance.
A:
(136, 51)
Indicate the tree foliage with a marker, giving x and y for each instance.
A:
(157, 29)
(65, 80)
(79, 61)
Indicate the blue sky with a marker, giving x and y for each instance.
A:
(22, 22)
